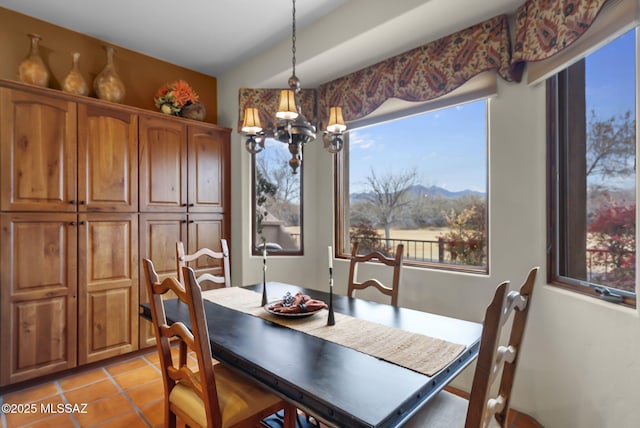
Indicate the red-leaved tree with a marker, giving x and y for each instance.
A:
(613, 230)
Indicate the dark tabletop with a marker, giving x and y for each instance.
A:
(340, 385)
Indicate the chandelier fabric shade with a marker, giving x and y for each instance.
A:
(287, 107)
(336, 121)
(251, 122)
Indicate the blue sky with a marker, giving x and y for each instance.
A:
(447, 148)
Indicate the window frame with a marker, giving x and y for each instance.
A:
(341, 177)
(560, 116)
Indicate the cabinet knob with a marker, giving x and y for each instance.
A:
(183, 205)
(82, 202)
(191, 205)
(83, 222)
(72, 202)
(191, 221)
(73, 223)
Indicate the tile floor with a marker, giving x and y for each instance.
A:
(126, 393)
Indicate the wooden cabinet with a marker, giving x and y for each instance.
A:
(163, 165)
(107, 159)
(208, 160)
(38, 152)
(38, 266)
(108, 285)
(88, 188)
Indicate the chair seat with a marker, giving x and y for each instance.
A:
(445, 410)
(240, 398)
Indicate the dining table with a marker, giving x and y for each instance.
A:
(350, 374)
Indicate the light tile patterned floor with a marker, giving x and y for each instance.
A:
(126, 393)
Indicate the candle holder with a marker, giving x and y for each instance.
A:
(331, 319)
(264, 282)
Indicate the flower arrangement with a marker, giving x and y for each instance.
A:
(173, 97)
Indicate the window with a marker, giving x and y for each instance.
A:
(420, 181)
(592, 173)
(277, 201)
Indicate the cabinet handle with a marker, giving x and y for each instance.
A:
(83, 222)
(183, 205)
(183, 221)
(191, 205)
(82, 202)
(191, 221)
(73, 223)
(72, 202)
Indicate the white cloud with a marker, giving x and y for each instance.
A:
(361, 141)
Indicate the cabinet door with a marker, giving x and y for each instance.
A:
(208, 169)
(107, 159)
(163, 165)
(158, 236)
(206, 230)
(107, 285)
(38, 152)
(38, 288)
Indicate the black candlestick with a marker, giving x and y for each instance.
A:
(264, 281)
(331, 319)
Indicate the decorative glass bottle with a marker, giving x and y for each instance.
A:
(107, 84)
(32, 69)
(74, 83)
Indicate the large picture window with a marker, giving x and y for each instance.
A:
(277, 201)
(592, 173)
(420, 181)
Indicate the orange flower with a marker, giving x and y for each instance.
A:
(171, 98)
(162, 91)
(182, 93)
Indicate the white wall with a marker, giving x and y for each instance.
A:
(580, 362)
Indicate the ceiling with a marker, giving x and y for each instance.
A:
(216, 36)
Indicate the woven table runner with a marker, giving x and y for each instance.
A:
(414, 351)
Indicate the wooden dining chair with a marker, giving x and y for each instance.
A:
(395, 263)
(213, 396)
(203, 261)
(449, 410)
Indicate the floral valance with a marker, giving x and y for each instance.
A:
(546, 27)
(423, 73)
(266, 101)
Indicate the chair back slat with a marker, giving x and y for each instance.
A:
(394, 262)
(207, 263)
(494, 358)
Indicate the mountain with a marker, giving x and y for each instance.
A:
(420, 191)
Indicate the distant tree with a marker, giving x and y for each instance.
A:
(613, 229)
(466, 237)
(284, 202)
(264, 190)
(387, 197)
(367, 237)
(611, 145)
(276, 169)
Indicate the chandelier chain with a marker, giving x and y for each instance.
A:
(293, 39)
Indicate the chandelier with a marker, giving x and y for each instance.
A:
(292, 127)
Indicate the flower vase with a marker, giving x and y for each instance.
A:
(32, 69)
(74, 83)
(107, 84)
(195, 111)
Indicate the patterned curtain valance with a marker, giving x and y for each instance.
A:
(423, 73)
(266, 101)
(546, 27)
